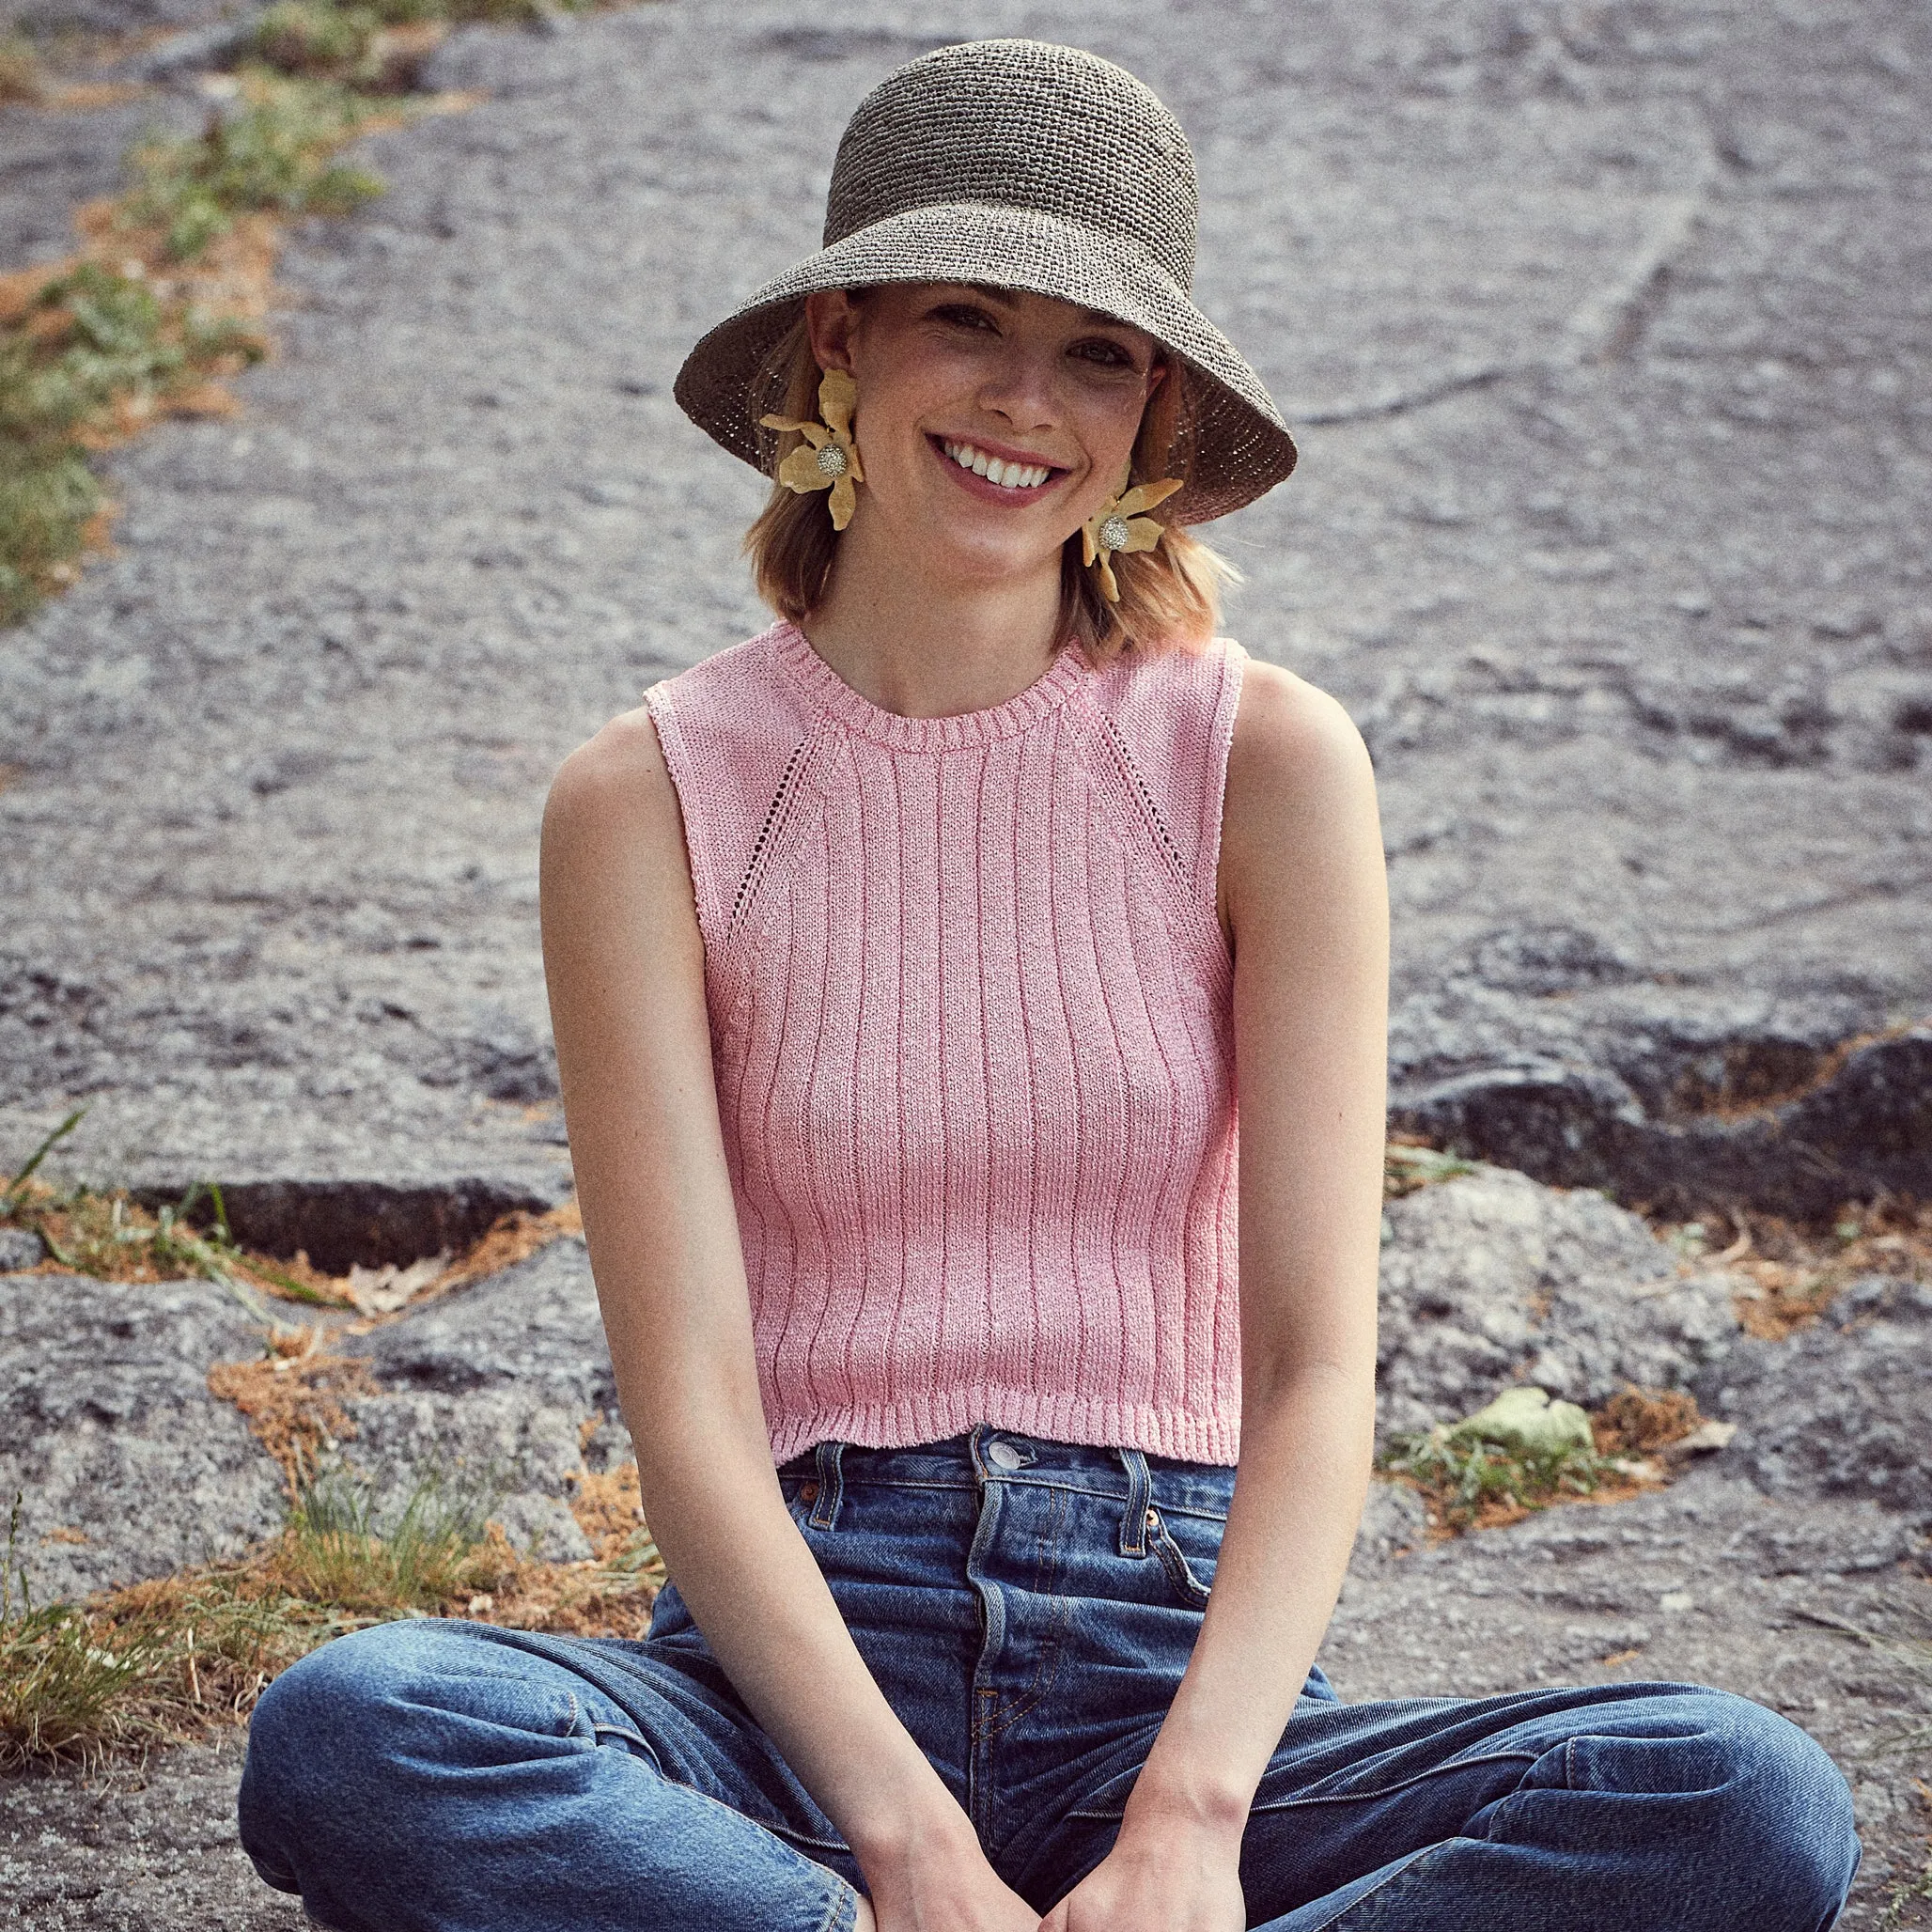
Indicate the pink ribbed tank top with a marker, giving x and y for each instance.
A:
(972, 1029)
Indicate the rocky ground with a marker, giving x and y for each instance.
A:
(1606, 329)
(1819, 1508)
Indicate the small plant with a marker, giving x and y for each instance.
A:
(111, 1236)
(1905, 1894)
(1470, 1482)
(317, 40)
(172, 1659)
(87, 353)
(1408, 1165)
(273, 155)
(436, 1549)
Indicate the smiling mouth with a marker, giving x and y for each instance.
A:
(1018, 477)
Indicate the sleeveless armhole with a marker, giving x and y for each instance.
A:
(1168, 725)
(734, 740)
(663, 708)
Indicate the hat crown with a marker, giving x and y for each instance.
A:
(1022, 124)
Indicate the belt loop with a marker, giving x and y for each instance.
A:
(1140, 1494)
(830, 1486)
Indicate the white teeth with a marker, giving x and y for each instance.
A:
(1007, 475)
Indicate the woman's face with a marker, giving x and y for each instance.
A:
(990, 425)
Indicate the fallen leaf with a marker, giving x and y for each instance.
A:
(1707, 1437)
(384, 1290)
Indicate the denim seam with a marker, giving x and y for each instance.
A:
(777, 1831)
(1375, 1891)
(629, 1735)
(1051, 1480)
(842, 1907)
(1180, 1572)
(1380, 1791)
(1460, 1764)
(1108, 1490)
(1048, 1668)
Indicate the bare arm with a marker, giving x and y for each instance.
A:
(625, 966)
(1302, 884)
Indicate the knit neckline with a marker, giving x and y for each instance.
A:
(859, 713)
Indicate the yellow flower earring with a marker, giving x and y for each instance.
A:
(1117, 525)
(828, 459)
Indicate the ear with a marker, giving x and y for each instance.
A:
(831, 316)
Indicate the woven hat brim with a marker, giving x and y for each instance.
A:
(1241, 447)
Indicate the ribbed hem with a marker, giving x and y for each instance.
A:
(1061, 1416)
(832, 693)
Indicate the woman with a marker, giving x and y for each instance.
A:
(904, 964)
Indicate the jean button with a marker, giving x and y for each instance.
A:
(1002, 1455)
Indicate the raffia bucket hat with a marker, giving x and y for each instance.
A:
(1020, 166)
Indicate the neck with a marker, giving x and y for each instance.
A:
(929, 647)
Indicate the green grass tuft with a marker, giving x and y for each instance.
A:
(168, 1659)
(274, 155)
(435, 1549)
(1468, 1483)
(90, 343)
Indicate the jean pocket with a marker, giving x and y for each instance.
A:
(1188, 1548)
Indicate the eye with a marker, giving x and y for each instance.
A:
(1105, 353)
(964, 315)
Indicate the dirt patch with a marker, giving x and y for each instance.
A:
(1788, 1272)
(292, 1397)
(1757, 1076)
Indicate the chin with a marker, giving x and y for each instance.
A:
(997, 559)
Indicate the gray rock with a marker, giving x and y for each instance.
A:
(1842, 1408)
(21, 1247)
(491, 1389)
(1491, 1279)
(1394, 1518)
(1651, 750)
(125, 1465)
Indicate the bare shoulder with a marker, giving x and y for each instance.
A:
(1292, 737)
(1300, 812)
(613, 836)
(622, 767)
(1295, 754)
(613, 787)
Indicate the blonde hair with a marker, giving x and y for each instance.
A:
(1170, 595)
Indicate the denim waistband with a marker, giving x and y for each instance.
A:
(1137, 1480)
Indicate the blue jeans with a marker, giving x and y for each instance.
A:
(1027, 1608)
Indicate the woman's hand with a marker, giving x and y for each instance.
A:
(943, 1884)
(1172, 1881)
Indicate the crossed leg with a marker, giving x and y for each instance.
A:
(1616, 1808)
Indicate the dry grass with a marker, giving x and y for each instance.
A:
(163, 301)
(292, 1399)
(1786, 1274)
(106, 1234)
(164, 1661)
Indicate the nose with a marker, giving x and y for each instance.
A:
(1023, 386)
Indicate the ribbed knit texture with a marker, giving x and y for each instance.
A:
(971, 1023)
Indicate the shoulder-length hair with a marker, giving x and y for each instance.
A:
(1169, 594)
